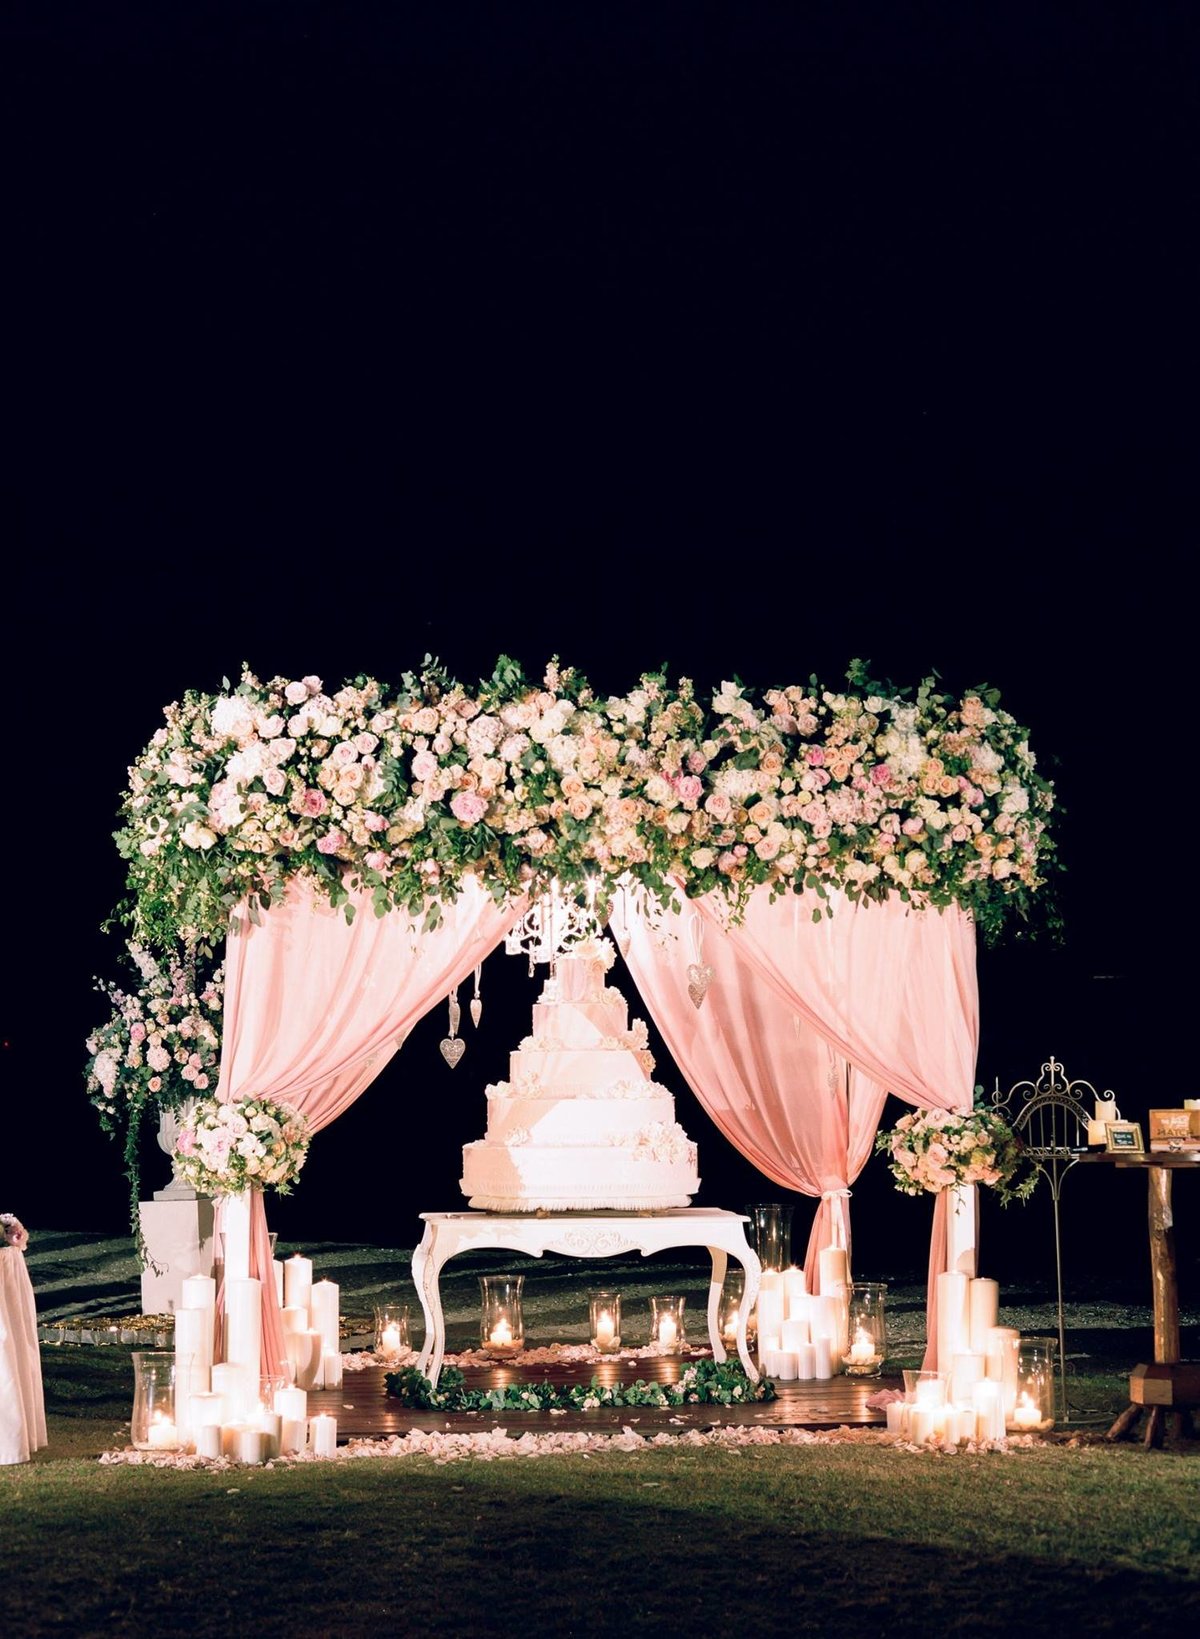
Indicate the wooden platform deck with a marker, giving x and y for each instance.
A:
(364, 1410)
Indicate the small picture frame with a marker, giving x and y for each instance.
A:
(1123, 1138)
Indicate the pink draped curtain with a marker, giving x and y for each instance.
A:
(893, 989)
(771, 1082)
(886, 993)
(315, 1007)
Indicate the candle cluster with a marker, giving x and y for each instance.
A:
(224, 1407)
(802, 1336)
(982, 1391)
(310, 1326)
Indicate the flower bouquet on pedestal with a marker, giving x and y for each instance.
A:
(247, 1143)
(933, 1150)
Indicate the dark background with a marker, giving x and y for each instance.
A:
(742, 339)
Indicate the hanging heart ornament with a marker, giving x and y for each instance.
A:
(452, 1049)
(699, 977)
(476, 1010)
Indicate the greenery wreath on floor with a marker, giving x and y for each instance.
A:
(704, 1383)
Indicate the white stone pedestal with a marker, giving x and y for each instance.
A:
(179, 1240)
(962, 1251)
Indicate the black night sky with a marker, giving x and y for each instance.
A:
(746, 340)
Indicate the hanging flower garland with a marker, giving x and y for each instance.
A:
(247, 1143)
(158, 1050)
(13, 1232)
(933, 1150)
(861, 789)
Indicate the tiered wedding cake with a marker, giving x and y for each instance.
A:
(580, 1125)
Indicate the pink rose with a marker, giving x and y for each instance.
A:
(375, 822)
(313, 802)
(155, 1084)
(881, 774)
(697, 762)
(718, 805)
(275, 781)
(295, 694)
(424, 765)
(330, 842)
(688, 787)
(468, 807)
(913, 827)
(186, 1142)
(959, 833)
(377, 860)
(815, 756)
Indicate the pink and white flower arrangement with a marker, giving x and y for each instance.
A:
(932, 1150)
(13, 1232)
(159, 1049)
(867, 790)
(246, 1143)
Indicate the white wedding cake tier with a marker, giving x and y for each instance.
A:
(579, 1125)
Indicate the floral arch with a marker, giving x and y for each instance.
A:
(814, 866)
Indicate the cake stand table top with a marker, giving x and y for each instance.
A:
(679, 1214)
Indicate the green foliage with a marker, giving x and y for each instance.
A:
(705, 1382)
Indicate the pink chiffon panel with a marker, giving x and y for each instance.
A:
(316, 1006)
(892, 988)
(770, 1082)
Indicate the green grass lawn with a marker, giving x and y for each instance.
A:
(829, 1539)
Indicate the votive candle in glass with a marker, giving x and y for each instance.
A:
(666, 1323)
(604, 1309)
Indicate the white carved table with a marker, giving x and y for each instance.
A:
(584, 1235)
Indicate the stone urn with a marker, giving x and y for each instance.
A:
(170, 1124)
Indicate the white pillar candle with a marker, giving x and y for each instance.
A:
(200, 1292)
(297, 1282)
(271, 1423)
(769, 1360)
(291, 1402)
(1002, 1345)
(251, 1445)
(668, 1332)
(193, 1351)
(389, 1342)
(983, 1303)
(931, 1391)
(295, 1319)
(770, 1312)
(229, 1439)
(988, 1401)
(953, 1322)
(897, 1418)
(204, 1410)
(235, 1226)
(794, 1284)
(789, 1369)
(232, 1382)
(323, 1307)
(927, 1423)
(822, 1358)
(806, 1362)
(331, 1369)
(293, 1435)
(833, 1263)
(243, 1324)
(208, 1440)
(323, 1433)
(277, 1267)
(965, 1371)
(800, 1307)
(793, 1333)
(771, 1281)
(304, 1352)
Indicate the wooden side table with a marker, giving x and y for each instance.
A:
(584, 1235)
(1167, 1385)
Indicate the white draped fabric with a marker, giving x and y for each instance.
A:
(22, 1408)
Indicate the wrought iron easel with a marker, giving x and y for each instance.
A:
(1052, 1124)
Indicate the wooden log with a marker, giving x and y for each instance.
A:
(1160, 1383)
(1155, 1425)
(1124, 1423)
(1162, 1266)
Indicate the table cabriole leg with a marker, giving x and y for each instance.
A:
(719, 1264)
(753, 1276)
